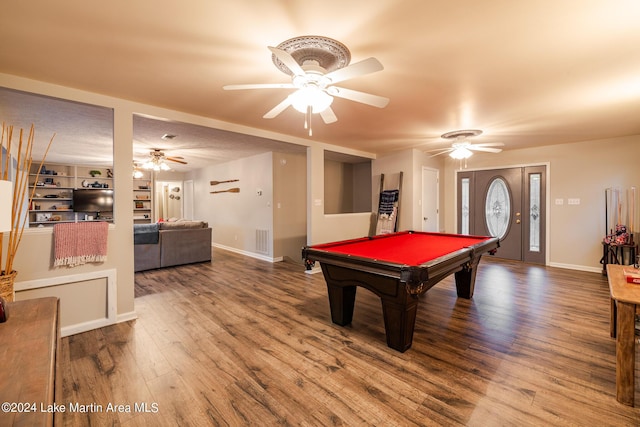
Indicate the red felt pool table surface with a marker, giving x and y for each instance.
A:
(410, 248)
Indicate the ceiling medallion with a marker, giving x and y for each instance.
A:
(330, 54)
(458, 134)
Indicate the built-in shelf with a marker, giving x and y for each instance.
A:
(142, 200)
(53, 189)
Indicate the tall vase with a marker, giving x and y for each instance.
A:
(6, 285)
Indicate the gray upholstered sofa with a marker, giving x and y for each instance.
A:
(168, 244)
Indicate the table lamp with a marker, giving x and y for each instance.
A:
(6, 201)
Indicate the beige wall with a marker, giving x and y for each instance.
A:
(323, 228)
(338, 186)
(290, 208)
(410, 162)
(580, 170)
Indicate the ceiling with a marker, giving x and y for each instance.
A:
(527, 73)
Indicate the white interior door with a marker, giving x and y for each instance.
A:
(430, 217)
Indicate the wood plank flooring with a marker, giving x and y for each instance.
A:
(244, 342)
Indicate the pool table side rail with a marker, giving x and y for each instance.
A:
(429, 271)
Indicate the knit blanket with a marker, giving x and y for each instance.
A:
(77, 243)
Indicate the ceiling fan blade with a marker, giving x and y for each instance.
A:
(357, 96)
(260, 86)
(485, 149)
(277, 109)
(287, 60)
(328, 116)
(366, 66)
(489, 144)
(441, 151)
(176, 159)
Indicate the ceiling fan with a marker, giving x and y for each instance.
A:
(316, 64)
(461, 148)
(158, 160)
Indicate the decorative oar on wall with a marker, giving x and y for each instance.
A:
(231, 190)
(222, 182)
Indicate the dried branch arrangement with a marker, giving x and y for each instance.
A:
(15, 167)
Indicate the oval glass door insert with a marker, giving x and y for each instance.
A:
(498, 208)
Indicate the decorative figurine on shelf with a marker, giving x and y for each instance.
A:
(620, 237)
(93, 173)
(109, 173)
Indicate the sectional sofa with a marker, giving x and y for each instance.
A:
(167, 244)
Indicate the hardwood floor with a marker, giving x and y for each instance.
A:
(245, 342)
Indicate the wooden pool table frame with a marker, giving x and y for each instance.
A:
(397, 285)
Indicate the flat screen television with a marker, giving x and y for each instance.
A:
(92, 200)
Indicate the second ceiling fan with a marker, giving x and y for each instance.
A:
(158, 160)
(316, 64)
(461, 148)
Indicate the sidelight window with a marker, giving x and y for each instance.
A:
(534, 212)
(465, 206)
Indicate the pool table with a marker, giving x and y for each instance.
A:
(397, 267)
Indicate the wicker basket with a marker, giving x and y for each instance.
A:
(6, 285)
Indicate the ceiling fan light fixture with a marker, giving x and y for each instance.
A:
(310, 96)
(461, 153)
(156, 165)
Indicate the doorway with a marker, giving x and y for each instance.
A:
(430, 208)
(168, 200)
(509, 204)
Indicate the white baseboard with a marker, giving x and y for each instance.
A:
(125, 317)
(576, 267)
(247, 253)
(78, 328)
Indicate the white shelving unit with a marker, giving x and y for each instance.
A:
(53, 192)
(143, 198)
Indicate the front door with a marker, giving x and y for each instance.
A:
(500, 208)
(505, 203)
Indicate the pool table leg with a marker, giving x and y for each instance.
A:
(399, 313)
(341, 302)
(400, 321)
(466, 281)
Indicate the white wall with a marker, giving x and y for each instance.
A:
(235, 217)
